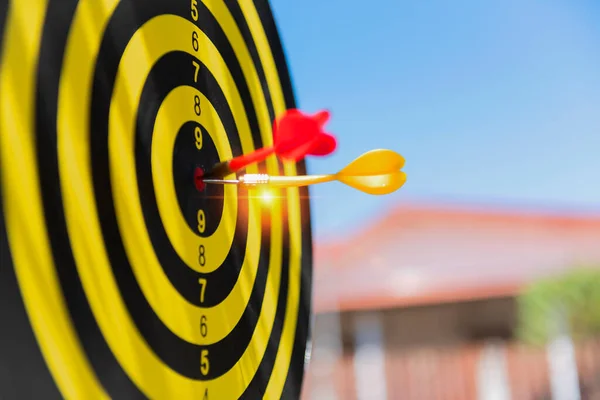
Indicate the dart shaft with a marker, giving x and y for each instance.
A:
(253, 180)
(244, 160)
(224, 168)
(219, 171)
(287, 181)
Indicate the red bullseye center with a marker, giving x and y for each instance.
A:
(198, 181)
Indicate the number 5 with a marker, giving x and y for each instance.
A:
(194, 10)
(204, 362)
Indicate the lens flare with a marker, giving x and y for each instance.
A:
(266, 196)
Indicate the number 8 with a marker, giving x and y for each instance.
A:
(201, 255)
(197, 105)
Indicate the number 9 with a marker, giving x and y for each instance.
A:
(201, 221)
(198, 135)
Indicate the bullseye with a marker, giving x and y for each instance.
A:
(198, 181)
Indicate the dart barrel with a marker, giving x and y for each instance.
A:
(120, 278)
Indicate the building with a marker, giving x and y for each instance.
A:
(421, 305)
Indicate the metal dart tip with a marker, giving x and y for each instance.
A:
(222, 181)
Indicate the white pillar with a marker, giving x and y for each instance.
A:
(492, 379)
(369, 358)
(562, 365)
(564, 381)
(326, 352)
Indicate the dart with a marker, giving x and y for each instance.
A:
(375, 172)
(295, 135)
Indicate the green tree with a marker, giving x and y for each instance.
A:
(575, 293)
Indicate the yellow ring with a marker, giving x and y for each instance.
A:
(122, 120)
(183, 239)
(25, 223)
(169, 305)
(284, 352)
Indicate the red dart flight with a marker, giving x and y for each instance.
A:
(295, 135)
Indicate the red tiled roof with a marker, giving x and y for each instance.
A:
(418, 254)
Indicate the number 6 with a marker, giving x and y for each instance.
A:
(195, 40)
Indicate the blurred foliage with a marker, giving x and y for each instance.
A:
(575, 295)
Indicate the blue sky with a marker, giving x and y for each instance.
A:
(490, 102)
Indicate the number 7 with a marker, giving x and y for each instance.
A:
(197, 68)
(202, 289)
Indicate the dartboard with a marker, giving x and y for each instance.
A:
(122, 277)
